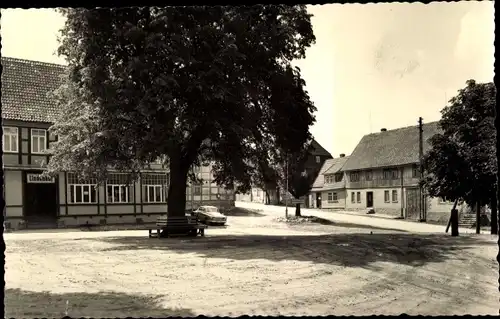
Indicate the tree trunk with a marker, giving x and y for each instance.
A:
(478, 218)
(297, 210)
(176, 201)
(277, 196)
(268, 199)
(494, 216)
(454, 222)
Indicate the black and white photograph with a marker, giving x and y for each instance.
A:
(261, 159)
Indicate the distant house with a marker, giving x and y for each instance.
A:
(381, 173)
(329, 190)
(317, 157)
(27, 114)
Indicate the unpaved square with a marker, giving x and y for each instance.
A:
(256, 267)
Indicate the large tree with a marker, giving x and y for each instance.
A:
(461, 164)
(189, 83)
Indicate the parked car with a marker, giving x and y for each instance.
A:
(210, 215)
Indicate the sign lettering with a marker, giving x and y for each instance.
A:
(39, 179)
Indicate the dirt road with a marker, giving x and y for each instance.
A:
(256, 266)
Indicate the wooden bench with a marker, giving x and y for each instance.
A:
(177, 226)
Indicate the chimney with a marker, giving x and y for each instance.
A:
(383, 130)
(342, 155)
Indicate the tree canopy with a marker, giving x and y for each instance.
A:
(461, 164)
(190, 83)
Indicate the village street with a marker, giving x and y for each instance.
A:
(256, 266)
(376, 220)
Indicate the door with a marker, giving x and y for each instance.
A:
(369, 199)
(318, 200)
(40, 196)
(412, 203)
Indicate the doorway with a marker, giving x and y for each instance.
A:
(39, 196)
(369, 199)
(318, 200)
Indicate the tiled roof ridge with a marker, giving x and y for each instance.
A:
(27, 61)
(402, 128)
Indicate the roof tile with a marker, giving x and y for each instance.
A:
(390, 148)
(25, 88)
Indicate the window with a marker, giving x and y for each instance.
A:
(196, 169)
(353, 199)
(332, 198)
(387, 174)
(395, 174)
(38, 141)
(368, 175)
(391, 174)
(155, 187)
(197, 189)
(82, 191)
(354, 176)
(358, 197)
(10, 139)
(394, 196)
(318, 159)
(415, 171)
(386, 197)
(118, 188)
(338, 177)
(328, 179)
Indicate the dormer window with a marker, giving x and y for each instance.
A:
(329, 179)
(338, 177)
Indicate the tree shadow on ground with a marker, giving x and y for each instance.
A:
(350, 250)
(311, 220)
(29, 304)
(242, 212)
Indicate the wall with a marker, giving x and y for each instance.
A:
(379, 204)
(78, 214)
(13, 184)
(339, 204)
(440, 212)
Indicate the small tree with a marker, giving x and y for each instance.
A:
(300, 180)
(189, 83)
(461, 164)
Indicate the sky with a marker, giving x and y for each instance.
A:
(373, 66)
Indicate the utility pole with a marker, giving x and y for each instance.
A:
(286, 194)
(421, 166)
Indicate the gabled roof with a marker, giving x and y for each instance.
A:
(338, 163)
(25, 88)
(331, 166)
(319, 150)
(320, 179)
(390, 148)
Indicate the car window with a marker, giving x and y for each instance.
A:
(212, 209)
